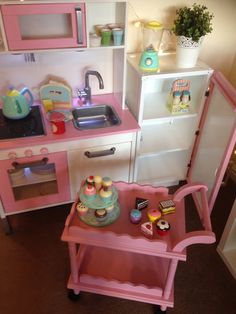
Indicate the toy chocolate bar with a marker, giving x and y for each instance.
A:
(167, 207)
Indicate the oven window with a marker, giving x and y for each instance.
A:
(33, 181)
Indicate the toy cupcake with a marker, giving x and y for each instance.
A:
(163, 227)
(110, 208)
(135, 216)
(90, 180)
(81, 209)
(106, 183)
(106, 196)
(90, 191)
(98, 182)
(100, 214)
(153, 214)
(106, 191)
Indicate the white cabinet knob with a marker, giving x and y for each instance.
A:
(28, 153)
(12, 155)
(44, 151)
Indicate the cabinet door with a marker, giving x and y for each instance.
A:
(109, 160)
(217, 137)
(34, 182)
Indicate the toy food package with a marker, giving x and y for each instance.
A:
(179, 96)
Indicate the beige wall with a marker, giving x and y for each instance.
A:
(218, 48)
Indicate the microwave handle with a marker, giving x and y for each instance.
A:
(78, 12)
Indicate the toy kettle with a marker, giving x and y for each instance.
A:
(16, 105)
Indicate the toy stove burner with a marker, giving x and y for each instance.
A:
(31, 125)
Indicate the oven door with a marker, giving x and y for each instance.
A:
(34, 182)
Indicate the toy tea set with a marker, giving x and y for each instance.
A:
(98, 206)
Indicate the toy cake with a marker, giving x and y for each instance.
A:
(153, 214)
(167, 207)
(98, 204)
(163, 227)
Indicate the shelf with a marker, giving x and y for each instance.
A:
(164, 165)
(170, 136)
(155, 108)
(129, 279)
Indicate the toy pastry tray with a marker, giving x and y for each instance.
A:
(97, 202)
(91, 220)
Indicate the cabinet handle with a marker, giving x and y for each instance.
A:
(22, 165)
(100, 153)
(78, 13)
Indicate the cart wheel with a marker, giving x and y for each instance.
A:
(157, 310)
(72, 296)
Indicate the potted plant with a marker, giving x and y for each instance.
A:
(190, 26)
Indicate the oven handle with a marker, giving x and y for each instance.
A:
(22, 165)
(100, 153)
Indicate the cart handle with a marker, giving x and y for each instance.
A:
(194, 237)
(201, 236)
(200, 203)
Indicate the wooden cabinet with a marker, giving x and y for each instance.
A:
(166, 139)
(114, 159)
(47, 175)
(195, 145)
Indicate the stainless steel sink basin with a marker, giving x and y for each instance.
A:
(93, 117)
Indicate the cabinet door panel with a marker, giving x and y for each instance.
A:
(101, 162)
(217, 137)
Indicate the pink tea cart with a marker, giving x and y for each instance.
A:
(119, 260)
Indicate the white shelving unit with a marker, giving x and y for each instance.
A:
(227, 245)
(166, 140)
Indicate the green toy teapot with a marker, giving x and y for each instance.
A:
(15, 104)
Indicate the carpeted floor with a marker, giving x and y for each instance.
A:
(34, 269)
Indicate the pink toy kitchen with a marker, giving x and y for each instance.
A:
(81, 123)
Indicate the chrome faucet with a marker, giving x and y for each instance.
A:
(85, 94)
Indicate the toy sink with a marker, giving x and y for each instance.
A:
(93, 117)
